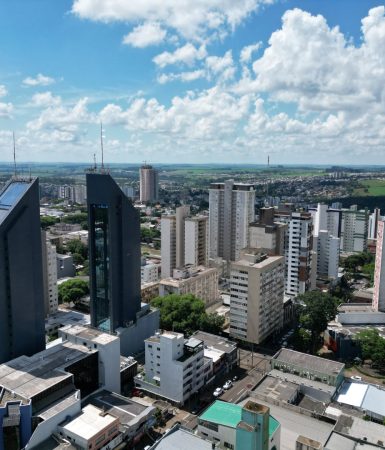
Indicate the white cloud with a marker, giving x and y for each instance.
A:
(149, 33)
(188, 55)
(45, 99)
(39, 80)
(247, 52)
(182, 76)
(222, 66)
(6, 110)
(192, 19)
(3, 91)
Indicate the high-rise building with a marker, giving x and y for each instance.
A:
(379, 270)
(49, 275)
(373, 221)
(266, 234)
(256, 296)
(299, 254)
(354, 229)
(114, 249)
(168, 245)
(326, 218)
(148, 184)
(115, 265)
(181, 213)
(196, 245)
(21, 275)
(231, 210)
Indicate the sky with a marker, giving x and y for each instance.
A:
(193, 81)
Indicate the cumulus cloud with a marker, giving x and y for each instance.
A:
(182, 76)
(247, 52)
(45, 99)
(39, 80)
(6, 110)
(149, 33)
(188, 55)
(192, 19)
(3, 91)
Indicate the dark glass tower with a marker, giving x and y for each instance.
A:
(22, 330)
(114, 254)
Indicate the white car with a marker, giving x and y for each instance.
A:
(218, 392)
(227, 385)
(355, 377)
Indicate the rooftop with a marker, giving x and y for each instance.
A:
(259, 263)
(173, 439)
(90, 334)
(230, 414)
(30, 375)
(303, 381)
(277, 389)
(89, 422)
(309, 362)
(364, 396)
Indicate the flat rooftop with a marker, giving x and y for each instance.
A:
(30, 375)
(178, 438)
(230, 414)
(296, 379)
(364, 396)
(216, 342)
(359, 429)
(259, 264)
(126, 409)
(277, 389)
(89, 422)
(309, 362)
(88, 333)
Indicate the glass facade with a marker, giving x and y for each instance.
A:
(101, 267)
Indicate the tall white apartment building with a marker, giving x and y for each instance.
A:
(354, 229)
(231, 210)
(257, 292)
(196, 244)
(51, 299)
(180, 214)
(299, 254)
(78, 194)
(379, 270)
(325, 243)
(199, 281)
(148, 184)
(168, 245)
(373, 221)
(174, 366)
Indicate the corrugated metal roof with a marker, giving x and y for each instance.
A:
(374, 401)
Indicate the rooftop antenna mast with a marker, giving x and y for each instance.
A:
(14, 153)
(268, 180)
(95, 162)
(101, 144)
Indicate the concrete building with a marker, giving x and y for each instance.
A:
(354, 229)
(174, 367)
(199, 281)
(92, 429)
(168, 245)
(149, 272)
(115, 259)
(196, 245)
(21, 273)
(129, 191)
(379, 270)
(250, 427)
(172, 439)
(231, 210)
(326, 218)
(299, 255)
(373, 221)
(148, 184)
(51, 299)
(267, 235)
(257, 295)
(180, 215)
(65, 267)
(327, 248)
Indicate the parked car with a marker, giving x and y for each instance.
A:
(218, 392)
(355, 377)
(227, 385)
(235, 378)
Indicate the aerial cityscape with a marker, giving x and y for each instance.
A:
(192, 225)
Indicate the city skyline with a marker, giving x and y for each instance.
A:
(191, 82)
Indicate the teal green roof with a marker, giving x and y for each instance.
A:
(229, 415)
(223, 413)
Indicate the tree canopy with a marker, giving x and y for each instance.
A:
(72, 290)
(186, 314)
(47, 221)
(372, 346)
(76, 246)
(316, 310)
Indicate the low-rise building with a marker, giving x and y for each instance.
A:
(174, 366)
(65, 266)
(241, 428)
(199, 281)
(92, 428)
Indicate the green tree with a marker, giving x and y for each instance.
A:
(185, 313)
(316, 310)
(48, 221)
(72, 290)
(76, 246)
(372, 346)
(79, 218)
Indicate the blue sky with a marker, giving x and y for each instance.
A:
(193, 81)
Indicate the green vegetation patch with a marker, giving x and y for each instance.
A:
(367, 188)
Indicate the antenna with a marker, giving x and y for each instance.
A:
(14, 153)
(101, 144)
(95, 162)
(268, 180)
